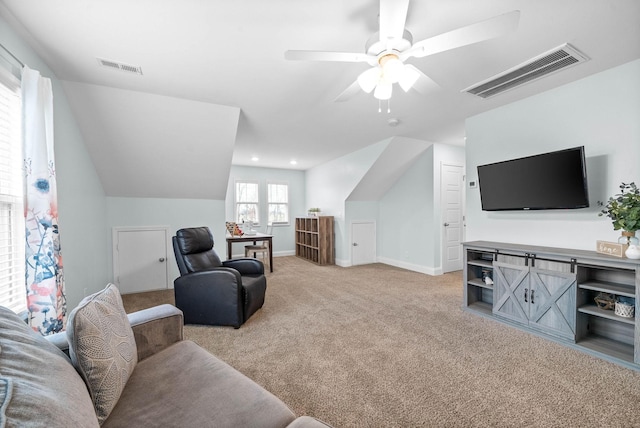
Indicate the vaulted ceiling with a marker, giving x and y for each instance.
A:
(215, 86)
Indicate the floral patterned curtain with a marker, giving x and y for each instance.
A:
(46, 300)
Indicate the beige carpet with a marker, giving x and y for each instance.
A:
(378, 346)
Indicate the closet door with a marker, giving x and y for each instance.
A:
(140, 259)
(363, 245)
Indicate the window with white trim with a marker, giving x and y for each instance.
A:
(12, 258)
(278, 202)
(247, 202)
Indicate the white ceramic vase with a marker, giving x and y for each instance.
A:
(633, 252)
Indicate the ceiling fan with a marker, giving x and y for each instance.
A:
(388, 50)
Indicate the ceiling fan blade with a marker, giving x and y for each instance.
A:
(329, 56)
(393, 16)
(408, 77)
(424, 85)
(368, 79)
(348, 93)
(478, 32)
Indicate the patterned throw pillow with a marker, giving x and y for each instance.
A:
(102, 347)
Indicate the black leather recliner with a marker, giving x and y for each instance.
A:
(214, 292)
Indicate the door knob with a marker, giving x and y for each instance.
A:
(355, 244)
(161, 259)
(446, 224)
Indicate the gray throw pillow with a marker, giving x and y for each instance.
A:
(38, 385)
(102, 347)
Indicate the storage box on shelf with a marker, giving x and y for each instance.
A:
(314, 239)
(553, 291)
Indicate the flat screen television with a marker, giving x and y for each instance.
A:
(555, 180)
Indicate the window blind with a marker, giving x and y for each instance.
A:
(12, 283)
(247, 202)
(278, 201)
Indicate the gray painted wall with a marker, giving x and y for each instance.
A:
(410, 230)
(329, 185)
(407, 215)
(600, 112)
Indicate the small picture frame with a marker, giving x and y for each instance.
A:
(610, 248)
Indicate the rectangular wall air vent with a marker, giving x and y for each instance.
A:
(119, 66)
(549, 62)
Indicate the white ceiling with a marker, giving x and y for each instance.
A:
(210, 58)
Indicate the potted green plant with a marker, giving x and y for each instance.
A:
(313, 212)
(624, 211)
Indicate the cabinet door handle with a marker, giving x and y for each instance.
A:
(526, 290)
(532, 302)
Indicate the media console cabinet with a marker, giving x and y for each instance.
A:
(551, 291)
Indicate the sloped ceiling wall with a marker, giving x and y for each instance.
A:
(146, 145)
(393, 162)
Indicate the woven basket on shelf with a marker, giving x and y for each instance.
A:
(625, 308)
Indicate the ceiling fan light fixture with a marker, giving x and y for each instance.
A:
(369, 79)
(383, 90)
(409, 77)
(392, 67)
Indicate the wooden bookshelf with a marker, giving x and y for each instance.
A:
(314, 239)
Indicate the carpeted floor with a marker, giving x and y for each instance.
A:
(378, 346)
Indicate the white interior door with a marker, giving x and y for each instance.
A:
(140, 259)
(363, 243)
(452, 192)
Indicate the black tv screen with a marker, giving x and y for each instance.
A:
(555, 180)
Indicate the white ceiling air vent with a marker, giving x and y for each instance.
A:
(119, 66)
(549, 62)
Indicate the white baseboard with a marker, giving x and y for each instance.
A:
(411, 266)
(397, 263)
(284, 253)
(276, 254)
(343, 263)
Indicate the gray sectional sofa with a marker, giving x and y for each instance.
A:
(124, 370)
